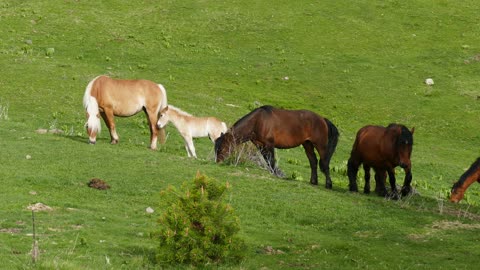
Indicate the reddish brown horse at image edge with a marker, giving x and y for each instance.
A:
(383, 149)
(269, 128)
(471, 176)
(107, 97)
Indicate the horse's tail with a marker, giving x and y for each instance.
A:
(163, 105)
(91, 106)
(164, 102)
(333, 135)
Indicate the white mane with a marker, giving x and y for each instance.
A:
(177, 110)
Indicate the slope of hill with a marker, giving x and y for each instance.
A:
(354, 63)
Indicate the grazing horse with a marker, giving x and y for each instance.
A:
(191, 127)
(107, 97)
(383, 149)
(268, 128)
(471, 176)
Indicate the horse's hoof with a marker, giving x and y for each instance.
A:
(91, 142)
(406, 191)
(278, 173)
(114, 142)
(392, 196)
(314, 183)
(328, 186)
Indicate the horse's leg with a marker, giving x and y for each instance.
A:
(366, 188)
(393, 186)
(268, 154)
(325, 165)
(407, 189)
(109, 119)
(312, 158)
(380, 176)
(189, 146)
(152, 124)
(352, 170)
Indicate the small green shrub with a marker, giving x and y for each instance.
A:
(197, 227)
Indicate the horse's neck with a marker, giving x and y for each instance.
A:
(176, 117)
(474, 177)
(242, 132)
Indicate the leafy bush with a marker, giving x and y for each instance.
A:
(197, 227)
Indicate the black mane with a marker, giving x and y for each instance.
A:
(405, 137)
(265, 108)
(473, 168)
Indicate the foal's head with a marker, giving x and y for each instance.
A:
(403, 144)
(223, 145)
(163, 118)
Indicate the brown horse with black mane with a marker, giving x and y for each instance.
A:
(383, 149)
(268, 128)
(107, 97)
(471, 176)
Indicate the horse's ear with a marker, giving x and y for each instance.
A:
(412, 130)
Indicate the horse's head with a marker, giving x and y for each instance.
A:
(404, 144)
(163, 118)
(93, 127)
(457, 192)
(222, 146)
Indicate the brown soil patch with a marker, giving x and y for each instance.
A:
(98, 184)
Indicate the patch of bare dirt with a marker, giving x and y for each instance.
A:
(39, 207)
(269, 250)
(453, 225)
(475, 58)
(11, 230)
(443, 225)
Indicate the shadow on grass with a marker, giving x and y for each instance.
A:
(82, 139)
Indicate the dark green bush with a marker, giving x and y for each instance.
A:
(197, 227)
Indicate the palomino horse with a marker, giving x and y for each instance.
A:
(471, 176)
(108, 97)
(191, 127)
(268, 128)
(383, 149)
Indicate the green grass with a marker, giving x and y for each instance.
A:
(356, 63)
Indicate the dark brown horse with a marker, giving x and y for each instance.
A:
(383, 149)
(268, 128)
(471, 176)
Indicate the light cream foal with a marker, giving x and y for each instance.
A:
(191, 127)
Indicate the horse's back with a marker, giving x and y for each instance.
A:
(299, 121)
(127, 97)
(370, 134)
(127, 87)
(368, 144)
(290, 128)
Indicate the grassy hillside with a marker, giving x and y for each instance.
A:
(356, 63)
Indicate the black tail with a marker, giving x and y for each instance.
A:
(333, 135)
